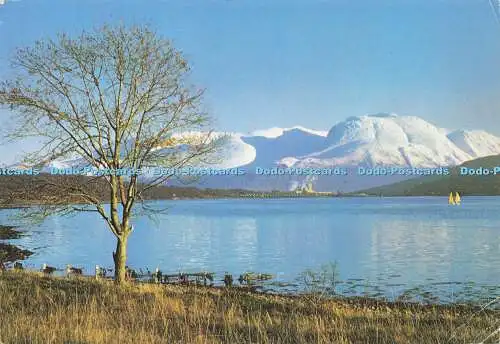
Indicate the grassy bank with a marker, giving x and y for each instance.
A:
(39, 309)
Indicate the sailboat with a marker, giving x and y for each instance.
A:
(451, 199)
(454, 199)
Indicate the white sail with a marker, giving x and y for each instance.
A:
(451, 199)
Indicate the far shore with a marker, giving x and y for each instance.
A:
(256, 195)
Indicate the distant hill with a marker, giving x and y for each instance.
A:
(442, 185)
(44, 188)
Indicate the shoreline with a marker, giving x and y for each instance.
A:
(356, 301)
(416, 295)
(150, 313)
(10, 253)
(37, 204)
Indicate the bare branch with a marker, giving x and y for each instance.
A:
(113, 98)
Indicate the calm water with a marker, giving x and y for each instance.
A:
(387, 242)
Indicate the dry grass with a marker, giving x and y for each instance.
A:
(39, 309)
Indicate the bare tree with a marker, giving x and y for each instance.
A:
(116, 99)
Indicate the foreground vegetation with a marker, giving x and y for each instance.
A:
(42, 309)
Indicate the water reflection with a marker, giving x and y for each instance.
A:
(394, 241)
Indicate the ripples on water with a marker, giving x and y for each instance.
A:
(393, 246)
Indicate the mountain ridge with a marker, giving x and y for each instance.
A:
(372, 140)
(379, 139)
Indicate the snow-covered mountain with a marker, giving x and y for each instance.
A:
(389, 140)
(276, 131)
(293, 142)
(370, 140)
(476, 143)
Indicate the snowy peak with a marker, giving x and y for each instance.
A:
(381, 139)
(276, 132)
(368, 140)
(389, 139)
(476, 143)
(237, 152)
(383, 128)
(296, 142)
(364, 129)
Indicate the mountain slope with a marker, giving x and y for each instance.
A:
(275, 131)
(476, 143)
(368, 141)
(443, 185)
(290, 143)
(389, 140)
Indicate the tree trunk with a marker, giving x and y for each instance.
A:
(120, 259)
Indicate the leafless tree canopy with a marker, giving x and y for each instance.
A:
(114, 98)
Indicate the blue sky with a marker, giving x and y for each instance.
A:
(282, 63)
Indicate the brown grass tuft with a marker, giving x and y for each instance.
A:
(39, 309)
